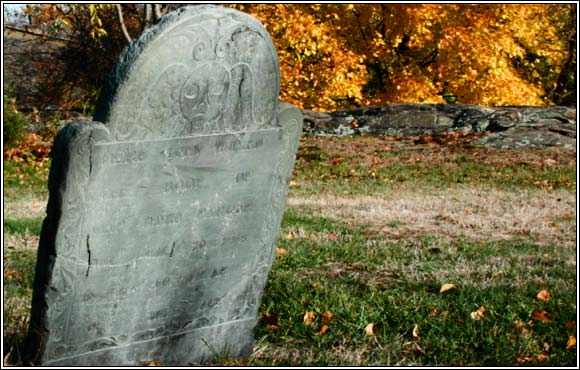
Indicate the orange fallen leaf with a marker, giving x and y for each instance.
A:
(327, 317)
(153, 363)
(543, 316)
(446, 288)
(370, 330)
(544, 295)
(281, 251)
(323, 330)
(543, 357)
(331, 236)
(435, 312)
(271, 328)
(308, 317)
(571, 342)
(446, 313)
(479, 314)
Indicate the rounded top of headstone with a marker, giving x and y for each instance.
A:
(201, 70)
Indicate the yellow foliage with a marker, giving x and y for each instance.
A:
(343, 55)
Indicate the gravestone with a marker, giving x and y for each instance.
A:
(163, 213)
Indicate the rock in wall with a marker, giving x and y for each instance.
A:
(502, 127)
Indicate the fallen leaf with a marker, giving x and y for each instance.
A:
(269, 319)
(416, 332)
(331, 236)
(546, 347)
(571, 342)
(153, 363)
(327, 317)
(281, 251)
(308, 317)
(293, 183)
(271, 328)
(526, 360)
(520, 327)
(446, 313)
(370, 330)
(323, 330)
(418, 349)
(469, 211)
(544, 295)
(543, 316)
(11, 274)
(543, 357)
(479, 314)
(435, 312)
(446, 288)
(316, 284)
(570, 324)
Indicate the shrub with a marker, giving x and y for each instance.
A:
(14, 125)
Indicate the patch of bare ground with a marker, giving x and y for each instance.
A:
(339, 353)
(19, 241)
(476, 213)
(29, 207)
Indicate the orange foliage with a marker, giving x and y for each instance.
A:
(344, 55)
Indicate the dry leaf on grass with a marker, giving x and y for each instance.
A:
(327, 317)
(323, 330)
(416, 332)
(308, 317)
(543, 316)
(281, 251)
(479, 314)
(153, 363)
(571, 342)
(544, 295)
(418, 349)
(446, 288)
(370, 330)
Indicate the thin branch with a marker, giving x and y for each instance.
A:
(157, 10)
(122, 23)
(148, 18)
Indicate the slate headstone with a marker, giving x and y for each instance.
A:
(162, 219)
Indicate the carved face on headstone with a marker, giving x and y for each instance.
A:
(203, 95)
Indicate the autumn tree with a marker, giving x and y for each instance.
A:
(91, 38)
(345, 55)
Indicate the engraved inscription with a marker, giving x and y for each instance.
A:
(182, 152)
(164, 219)
(224, 146)
(182, 185)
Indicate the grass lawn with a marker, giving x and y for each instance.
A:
(373, 230)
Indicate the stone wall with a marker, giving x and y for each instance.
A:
(502, 127)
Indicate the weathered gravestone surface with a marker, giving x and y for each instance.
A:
(161, 222)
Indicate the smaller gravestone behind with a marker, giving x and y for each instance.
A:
(161, 222)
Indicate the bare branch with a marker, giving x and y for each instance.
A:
(157, 10)
(122, 23)
(148, 18)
